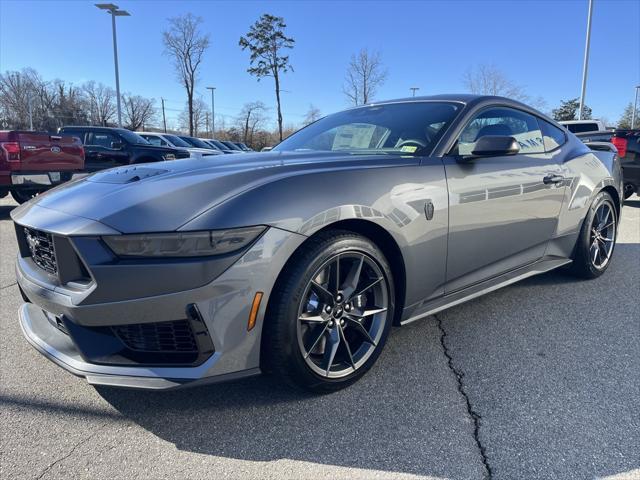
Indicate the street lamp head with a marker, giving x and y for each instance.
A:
(107, 6)
(113, 9)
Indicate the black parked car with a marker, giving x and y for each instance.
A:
(219, 145)
(243, 147)
(106, 147)
(231, 145)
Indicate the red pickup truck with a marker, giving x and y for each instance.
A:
(32, 162)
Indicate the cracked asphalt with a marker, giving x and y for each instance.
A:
(539, 380)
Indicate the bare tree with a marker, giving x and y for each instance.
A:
(138, 111)
(365, 75)
(489, 80)
(102, 102)
(70, 106)
(312, 115)
(186, 45)
(200, 111)
(266, 40)
(251, 117)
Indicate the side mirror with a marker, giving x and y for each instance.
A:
(117, 145)
(495, 145)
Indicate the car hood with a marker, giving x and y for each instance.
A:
(163, 196)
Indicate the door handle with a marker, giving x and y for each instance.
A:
(552, 178)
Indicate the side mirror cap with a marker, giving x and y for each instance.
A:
(495, 145)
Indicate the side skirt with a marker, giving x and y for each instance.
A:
(477, 290)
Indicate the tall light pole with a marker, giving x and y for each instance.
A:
(115, 12)
(635, 106)
(213, 113)
(413, 90)
(585, 65)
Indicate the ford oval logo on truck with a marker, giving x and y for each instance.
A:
(55, 149)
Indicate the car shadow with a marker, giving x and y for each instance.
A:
(5, 211)
(405, 416)
(633, 203)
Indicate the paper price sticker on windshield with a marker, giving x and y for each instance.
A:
(409, 148)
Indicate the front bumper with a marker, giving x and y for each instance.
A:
(223, 303)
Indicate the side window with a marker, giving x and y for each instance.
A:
(554, 137)
(102, 139)
(73, 133)
(503, 121)
(153, 140)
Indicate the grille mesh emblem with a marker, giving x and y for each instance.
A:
(42, 252)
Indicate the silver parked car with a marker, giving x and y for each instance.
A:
(299, 261)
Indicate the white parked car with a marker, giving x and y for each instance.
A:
(168, 140)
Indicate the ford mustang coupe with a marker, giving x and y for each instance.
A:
(298, 261)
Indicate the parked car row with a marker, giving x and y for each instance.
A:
(32, 162)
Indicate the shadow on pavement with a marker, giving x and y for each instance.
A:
(5, 210)
(632, 203)
(404, 416)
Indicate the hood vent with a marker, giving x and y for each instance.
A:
(126, 175)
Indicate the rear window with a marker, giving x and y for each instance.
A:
(582, 127)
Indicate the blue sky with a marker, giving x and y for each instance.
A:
(537, 44)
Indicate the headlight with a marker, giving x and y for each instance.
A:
(169, 156)
(183, 244)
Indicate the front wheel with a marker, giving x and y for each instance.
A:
(331, 313)
(597, 238)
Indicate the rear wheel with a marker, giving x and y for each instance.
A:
(22, 196)
(597, 238)
(330, 314)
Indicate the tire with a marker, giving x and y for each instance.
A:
(629, 190)
(301, 336)
(590, 262)
(22, 196)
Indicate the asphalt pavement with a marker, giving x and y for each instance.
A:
(539, 380)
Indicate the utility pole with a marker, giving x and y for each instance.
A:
(585, 66)
(413, 90)
(30, 110)
(213, 113)
(115, 12)
(635, 106)
(164, 118)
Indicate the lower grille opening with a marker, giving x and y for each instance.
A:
(184, 342)
(172, 336)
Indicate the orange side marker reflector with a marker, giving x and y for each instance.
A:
(255, 306)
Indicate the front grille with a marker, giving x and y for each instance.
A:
(172, 336)
(42, 252)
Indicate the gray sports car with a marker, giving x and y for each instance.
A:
(299, 261)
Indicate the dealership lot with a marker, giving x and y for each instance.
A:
(538, 380)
